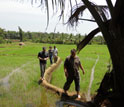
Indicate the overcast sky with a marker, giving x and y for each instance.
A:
(31, 18)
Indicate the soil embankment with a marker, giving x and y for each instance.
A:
(48, 75)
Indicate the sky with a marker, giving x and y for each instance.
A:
(14, 13)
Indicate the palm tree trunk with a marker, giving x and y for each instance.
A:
(117, 52)
(115, 79)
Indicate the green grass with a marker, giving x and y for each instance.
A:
(24, 90)
(88, 58)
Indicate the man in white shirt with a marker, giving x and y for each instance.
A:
(55, 54)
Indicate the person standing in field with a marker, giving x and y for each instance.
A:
(50, 52)
(55, 54)
(43, 57)
(71, 68)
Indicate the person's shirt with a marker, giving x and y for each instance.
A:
(55, 52)
(50, 52)
(72, 65)
(43, 54)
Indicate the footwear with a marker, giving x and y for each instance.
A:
(65, 93)
(43, 79)
(40, 81)
(79, 96)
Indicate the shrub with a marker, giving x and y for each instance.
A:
(1, 40)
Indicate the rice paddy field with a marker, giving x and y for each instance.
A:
(20, 72)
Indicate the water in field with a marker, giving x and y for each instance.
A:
(37, 97)
(19, 68)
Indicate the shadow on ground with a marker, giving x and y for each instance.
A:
(72, 101)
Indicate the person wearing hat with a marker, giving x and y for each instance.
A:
(43, 57)
(71, 68)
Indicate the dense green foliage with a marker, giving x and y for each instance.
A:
(40, 37)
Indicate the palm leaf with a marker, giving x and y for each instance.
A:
(75, 15)
(87, 39)
(47, 6)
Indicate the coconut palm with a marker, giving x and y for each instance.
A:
(20, 34)
(113, 33)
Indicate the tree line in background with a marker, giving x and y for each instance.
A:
(40, 37)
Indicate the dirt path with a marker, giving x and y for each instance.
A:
(5, 81)
(48, 75)
(88, 97)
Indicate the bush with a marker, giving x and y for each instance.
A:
(8, 41)
(1, 40)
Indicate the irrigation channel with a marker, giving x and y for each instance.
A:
(88, 97)
(5, 81)
(59, 91)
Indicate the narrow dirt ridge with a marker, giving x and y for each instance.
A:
(5, 81)
(48, 75)
(88, 97)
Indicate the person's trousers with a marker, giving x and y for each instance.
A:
(55, 59)
(51, 59)
(70, 80)
(42, 69)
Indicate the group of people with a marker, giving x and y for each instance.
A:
(71, 68)
(44, 55)
(53, 54)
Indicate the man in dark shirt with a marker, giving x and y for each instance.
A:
(71, 68)
(43, 57)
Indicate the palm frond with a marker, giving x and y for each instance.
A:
(87, 19)
(71, 6)
(102, 10)
(53, 4)
(76, 13)
(87, 39)
(47, 6)
(110, 6)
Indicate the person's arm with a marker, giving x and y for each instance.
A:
(57, 51)
(66, 73)
(82, 69)
(47, 57)
(39, 57)
(65, 70)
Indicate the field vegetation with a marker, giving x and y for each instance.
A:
(22, 88)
